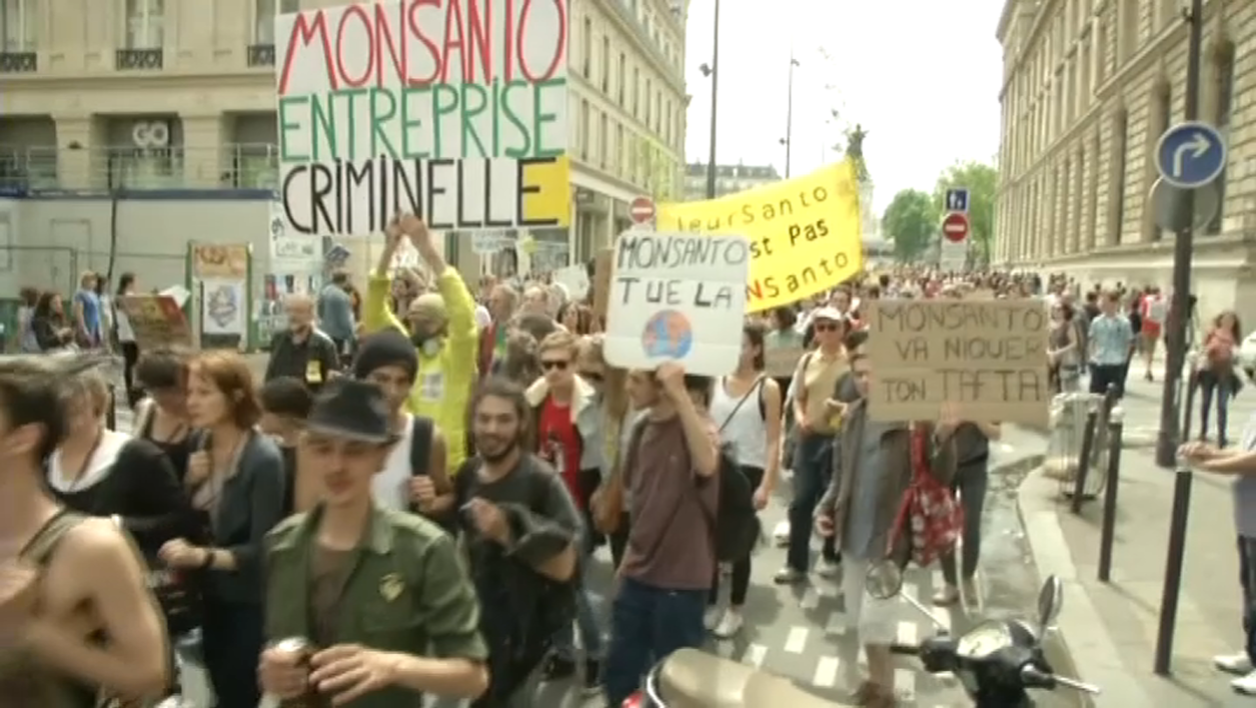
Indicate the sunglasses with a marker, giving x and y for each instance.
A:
(559, 364)
(826, 327)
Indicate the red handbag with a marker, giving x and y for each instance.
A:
(929, 511)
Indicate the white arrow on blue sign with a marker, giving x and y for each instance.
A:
(957, 200)
(1190, 154)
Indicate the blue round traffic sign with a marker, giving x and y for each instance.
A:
(1190, 154)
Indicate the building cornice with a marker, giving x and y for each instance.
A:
(1005, 19)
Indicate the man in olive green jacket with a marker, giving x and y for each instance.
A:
(381, 595)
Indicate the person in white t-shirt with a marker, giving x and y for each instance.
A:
(415, 475)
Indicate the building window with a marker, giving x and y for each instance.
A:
(145, 24)
(264, 17)
(619, 149)
(17, 25)
(667, 124)
(621, 79)
(658, 112)
(1127, 34)
(632, 158)
(603, 140)
(584, 129)
(649, 101)
(586, 43)
(1092, 204)
(605, 67)
(1223, 68)
(1117, 192)
(636, 91)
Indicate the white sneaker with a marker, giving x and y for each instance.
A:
(780, 534)
(1238, 664)
(730, 625)
(827, 568)
(788, 576)
(1245, 685)
(712, 617)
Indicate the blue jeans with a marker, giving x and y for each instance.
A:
(813, 467)
(586, 622)
(647, 625)
(1218, 386)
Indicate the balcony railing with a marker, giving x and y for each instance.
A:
(139, 59)
(261, 55)
(100, 169)
(18, 62)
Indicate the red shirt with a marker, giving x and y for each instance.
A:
(559, 443)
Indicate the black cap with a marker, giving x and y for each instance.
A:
(355, 410)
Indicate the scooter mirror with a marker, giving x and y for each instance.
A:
(1050, 601)
(884, 580)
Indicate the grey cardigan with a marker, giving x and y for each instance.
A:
(250, 506)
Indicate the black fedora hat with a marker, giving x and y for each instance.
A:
(354, 410)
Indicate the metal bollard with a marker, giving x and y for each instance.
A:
(1173, 567)
(1116, 427)
(1083, 461)
(111, 413)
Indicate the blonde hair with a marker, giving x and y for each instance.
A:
(90, 384)
(561, 339)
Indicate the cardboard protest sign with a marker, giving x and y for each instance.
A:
(677, 297)
(603, 264)
(455, 113)
(989, 357)
(156, 320)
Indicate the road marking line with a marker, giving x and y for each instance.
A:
(862, 658)
(910, 590)
(905, 681)
(830, 590)
(810, 599)
(836, 624)
(797, 640)
(826, 672)
(943, 616)
(908, 633)
(755, 654)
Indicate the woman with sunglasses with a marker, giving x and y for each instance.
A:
(814, 382)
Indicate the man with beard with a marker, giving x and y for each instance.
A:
(522, 530)
(442, 328)
(381, 594)
(302, 351)
(76, 618)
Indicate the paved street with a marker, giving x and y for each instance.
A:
(1111, 629)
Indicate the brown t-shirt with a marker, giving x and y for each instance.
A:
(671, 541)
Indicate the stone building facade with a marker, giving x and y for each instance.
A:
(1089, 86)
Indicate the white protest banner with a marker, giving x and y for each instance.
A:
(677, 297)
(576, 279)
(454, 111)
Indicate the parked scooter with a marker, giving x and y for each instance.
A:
(996, 662)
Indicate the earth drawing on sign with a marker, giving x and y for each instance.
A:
(667, 334)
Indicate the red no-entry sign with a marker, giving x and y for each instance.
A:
(642, 210)
(955, 227)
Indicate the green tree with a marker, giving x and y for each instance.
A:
(910, 221)
(981, 180)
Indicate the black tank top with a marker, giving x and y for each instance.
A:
(177, 452)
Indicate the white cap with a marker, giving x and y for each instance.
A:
(828, 313)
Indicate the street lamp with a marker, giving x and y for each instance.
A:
(709, 71)
(789, 114)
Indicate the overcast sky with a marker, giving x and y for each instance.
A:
(921, 76)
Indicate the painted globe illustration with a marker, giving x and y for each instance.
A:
(668, 334)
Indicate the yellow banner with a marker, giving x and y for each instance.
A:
(804, 232)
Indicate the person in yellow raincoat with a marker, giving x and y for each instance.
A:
(443, 329)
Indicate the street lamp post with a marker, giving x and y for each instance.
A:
(788, 140)
(712, 72)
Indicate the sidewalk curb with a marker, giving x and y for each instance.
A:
(1080, 628)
